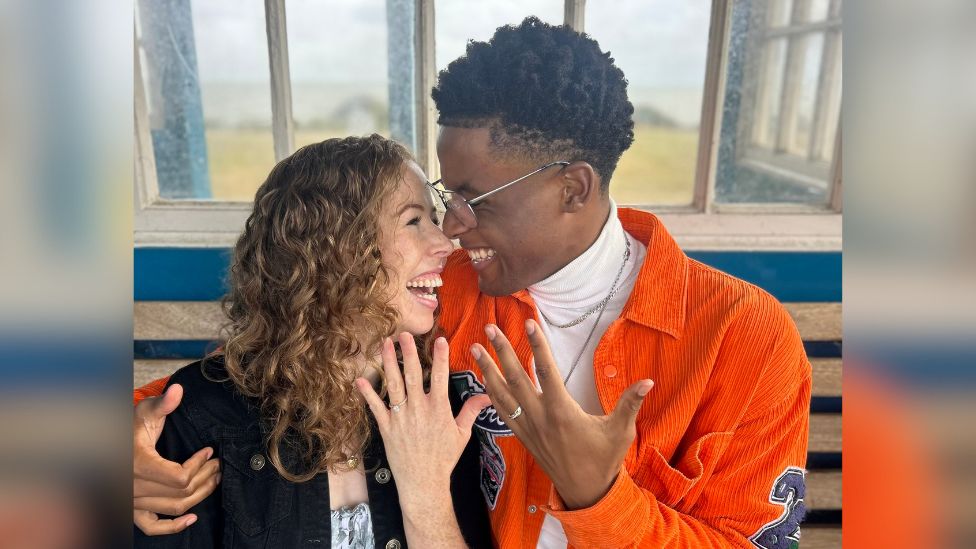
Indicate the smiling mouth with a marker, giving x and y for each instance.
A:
(480, 255)
(425, 287)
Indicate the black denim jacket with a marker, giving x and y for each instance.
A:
(255, 507)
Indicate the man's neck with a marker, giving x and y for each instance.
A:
(587, 235)
(587, 277)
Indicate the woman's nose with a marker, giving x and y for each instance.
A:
(442, 245)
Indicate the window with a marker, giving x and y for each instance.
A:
(737, 104)
(210, 107)
(338, 56)
(665, 82)
(782, 103)
(209, 102)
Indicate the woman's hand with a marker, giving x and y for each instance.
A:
(422, 437)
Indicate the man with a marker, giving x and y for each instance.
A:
(579, 449)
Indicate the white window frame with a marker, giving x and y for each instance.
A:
(776, 160)
(702, 225)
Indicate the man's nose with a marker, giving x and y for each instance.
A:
(453, 228)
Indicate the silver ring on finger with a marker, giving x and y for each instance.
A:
(396, 407)
(516, 413)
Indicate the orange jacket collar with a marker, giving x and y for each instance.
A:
(658, 298)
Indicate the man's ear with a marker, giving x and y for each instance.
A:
(580, 184)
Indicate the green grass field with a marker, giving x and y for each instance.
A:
(658, 169)
(240, 159)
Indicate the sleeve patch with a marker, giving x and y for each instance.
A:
(788, 491)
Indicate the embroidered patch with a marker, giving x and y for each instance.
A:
(492, 469)
(467, 385)
(488, 426)
(784, 532)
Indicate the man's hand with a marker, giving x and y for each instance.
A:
(161, 486)
(580, 452)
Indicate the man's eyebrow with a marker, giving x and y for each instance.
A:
(408, 206)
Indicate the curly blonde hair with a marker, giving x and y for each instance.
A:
(309, 293)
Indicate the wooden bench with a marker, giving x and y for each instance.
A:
(169, 334)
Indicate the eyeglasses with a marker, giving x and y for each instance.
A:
(464, 209)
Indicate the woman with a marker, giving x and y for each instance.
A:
(341, 252)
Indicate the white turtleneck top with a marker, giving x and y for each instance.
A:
(564, 297)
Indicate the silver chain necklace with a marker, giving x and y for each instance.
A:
(603, 303)
(579, 355)
(601, 307)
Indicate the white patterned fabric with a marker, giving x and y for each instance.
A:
(352, 528)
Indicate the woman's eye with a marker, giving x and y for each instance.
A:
(414, 221)
(435, 221)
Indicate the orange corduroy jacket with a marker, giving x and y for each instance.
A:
(721, 438)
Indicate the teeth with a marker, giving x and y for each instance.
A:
(481, 254)
(429, 281)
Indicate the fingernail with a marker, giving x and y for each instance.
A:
(475, 352)
(209, 453)
(529, 327)
(490, 331)
(442, 339)
(191, 520)
(645, 389)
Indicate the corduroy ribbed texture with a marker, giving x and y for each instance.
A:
(151, 389)
(728, 413)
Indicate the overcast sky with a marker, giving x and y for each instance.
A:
(658, 43)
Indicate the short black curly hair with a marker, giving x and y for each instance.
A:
(546, 93)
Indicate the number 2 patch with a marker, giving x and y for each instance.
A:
(784, 532)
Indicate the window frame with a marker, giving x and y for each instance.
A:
(701, 225)
(777, 161)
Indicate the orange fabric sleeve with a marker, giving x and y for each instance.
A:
(630, 516)
(152, 389)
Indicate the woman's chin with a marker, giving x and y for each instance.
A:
(416, 315)
(417, 324)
